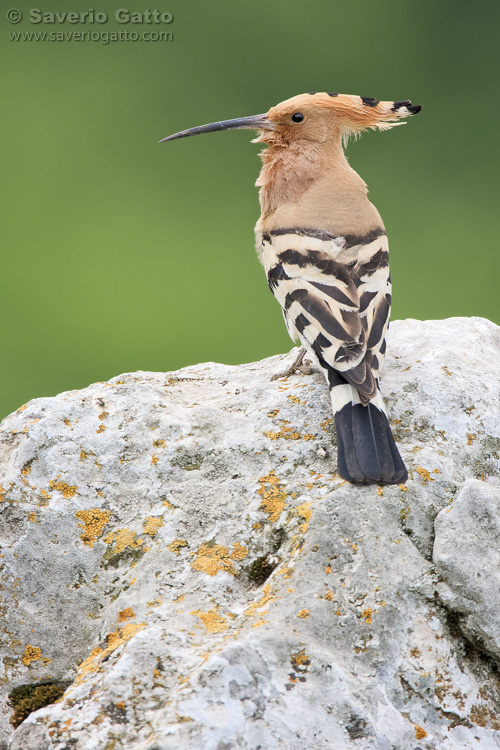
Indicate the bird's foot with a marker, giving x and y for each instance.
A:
(298, 365)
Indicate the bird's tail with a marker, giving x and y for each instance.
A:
(367, 453)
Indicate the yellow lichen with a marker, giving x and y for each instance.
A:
(305, 512)
(154, 460)
(419, 732)
(424, 474)
(367, 615)
(177, 545)
(159, 443)
(123, 538)
(66, 489)
(329, 595)
(101, 428)
(94, 521)
(152, 524)
(273, 497)
(303, 614)
(287, 433)
(33, 517)
(272, 413)
(212, 620)
(34, 653)
(264, 599)
(470, 438)
(300, 659)
(126, 614)
(98, 655)
(211, 558)
(103, 415)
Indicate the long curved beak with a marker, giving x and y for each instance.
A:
(255, 122)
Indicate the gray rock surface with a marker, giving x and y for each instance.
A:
(178, 548)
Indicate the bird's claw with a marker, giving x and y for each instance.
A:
(298, 365)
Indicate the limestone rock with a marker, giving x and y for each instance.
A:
(178, 548)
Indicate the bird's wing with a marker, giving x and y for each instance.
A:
(339, 311)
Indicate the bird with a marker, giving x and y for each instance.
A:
(324, 249)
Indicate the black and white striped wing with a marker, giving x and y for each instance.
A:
(372, 278)
(338, 310)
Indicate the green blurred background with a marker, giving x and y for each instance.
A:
(121, 254)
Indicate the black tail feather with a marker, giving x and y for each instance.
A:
(367, 453)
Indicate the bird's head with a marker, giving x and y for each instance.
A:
(315, 118)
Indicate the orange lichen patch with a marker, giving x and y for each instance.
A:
(117, 638)
(265, 599)
(33, 517)
(101, 429)
(285, 571)
(212, 620)
(258, 623)
(305, 512)
(159, 443)
(168, 504)
(22, 408)
(403, 487)
(43, 498)
(94, 521)
(120, 705)
(419, 732)
(66, 489)
(329, 595)
(211, 557)
(287, 433)
(126, 614)
(154, 460)
(303, 614)
(325, 424)
(367, 615)
(272, 413)
(34, 653)
(273, 497)
(300, 659)
(152, 524)
(295, 400)
(424, 474)
(156, 602)
(470, 438)
(85, 454)
(177, 545)
(103, 415)
(380, 491)
(123, 538)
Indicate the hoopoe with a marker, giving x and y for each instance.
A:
(324, 249)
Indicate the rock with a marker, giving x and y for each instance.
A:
(467, 558)
(178, 549)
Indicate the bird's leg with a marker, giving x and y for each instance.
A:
(296, 366)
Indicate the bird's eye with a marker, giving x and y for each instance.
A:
(297, 117)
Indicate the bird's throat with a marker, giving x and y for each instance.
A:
(312, 185)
